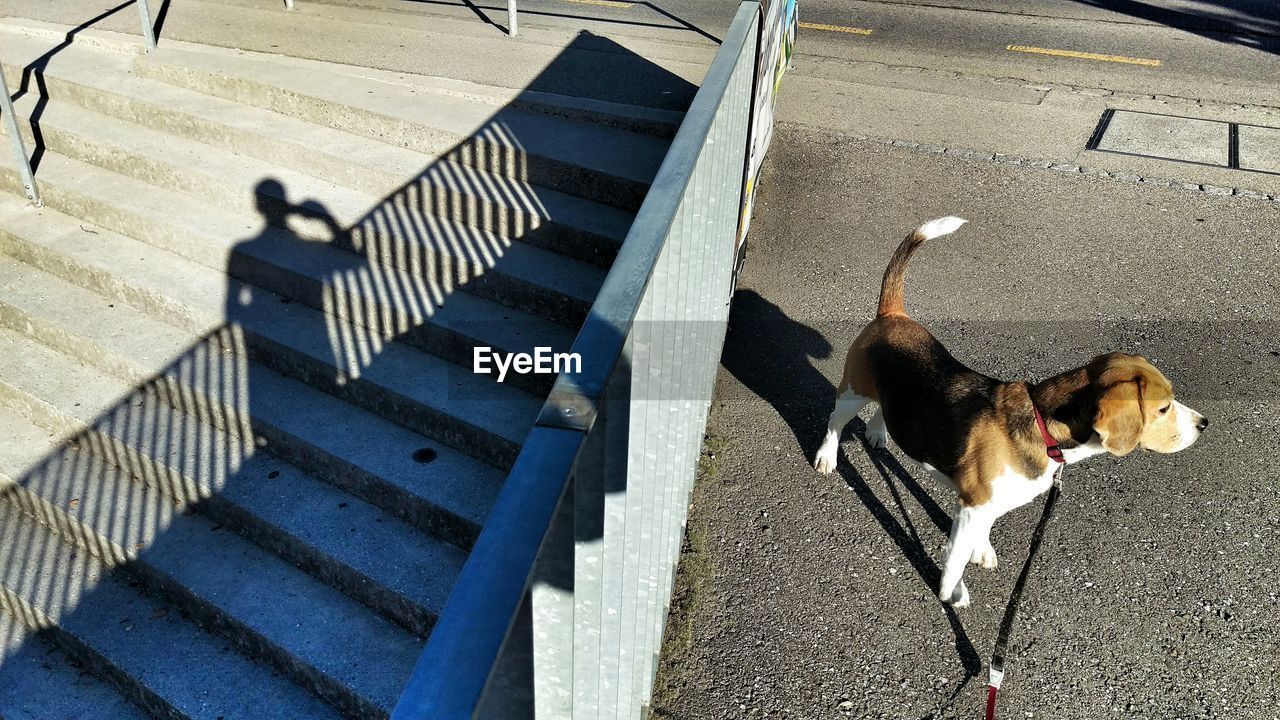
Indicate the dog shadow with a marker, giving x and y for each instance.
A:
(905, 535)
(771, 354)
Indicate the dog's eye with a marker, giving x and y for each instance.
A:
(1165, 409)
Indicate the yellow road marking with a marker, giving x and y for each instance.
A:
(1086, 55)
(835, 28)
(602, 3)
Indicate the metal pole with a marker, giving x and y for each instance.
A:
(148, 30)
(288, 4)
(511, 18)
(15, 139)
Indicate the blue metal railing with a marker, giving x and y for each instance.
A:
(560, 607)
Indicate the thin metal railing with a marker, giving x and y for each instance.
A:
(15, 142)
(148, 28)
(559, 609)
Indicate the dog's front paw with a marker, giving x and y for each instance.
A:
(824, 464)
(877, 438)
(984, 556)
(875, 432)
(959, 597)
(825, 461)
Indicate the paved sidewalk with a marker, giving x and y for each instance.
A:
(806, 596)
(1034, 121)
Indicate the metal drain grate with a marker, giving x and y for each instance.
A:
(1254, 148)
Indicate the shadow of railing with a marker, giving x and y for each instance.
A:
(186, 444)
(28, 76)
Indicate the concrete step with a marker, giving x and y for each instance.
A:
(261, 605)
(102, 81)
(605, 164)
(632, 63)
(600, 163)
(660, 116)
(38, 681)
(388, 565)
(378, 303)
(415, 390)
(392, 231)
(440, 254)
(252, 410)
(142, 645)
(629, 118)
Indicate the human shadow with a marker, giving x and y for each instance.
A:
(193, 463)
(771, 354)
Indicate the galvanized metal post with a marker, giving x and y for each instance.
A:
(15, 140)
(511, 18)
(148, 30)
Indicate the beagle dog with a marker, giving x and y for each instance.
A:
(979, 435)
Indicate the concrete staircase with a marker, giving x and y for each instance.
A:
(243, 455)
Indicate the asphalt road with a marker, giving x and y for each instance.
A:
(1206, 49)
(1193, 60)
(806, 596)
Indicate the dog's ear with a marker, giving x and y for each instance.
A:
(1119, 417)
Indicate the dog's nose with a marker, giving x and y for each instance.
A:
(1203, 423)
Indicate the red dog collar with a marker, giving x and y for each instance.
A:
(1051, 447)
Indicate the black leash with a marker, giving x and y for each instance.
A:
(1011, 610)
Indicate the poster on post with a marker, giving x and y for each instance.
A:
(777, 40)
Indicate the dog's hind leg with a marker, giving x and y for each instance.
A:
(846, 409)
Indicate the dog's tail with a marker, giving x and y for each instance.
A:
(891, 288)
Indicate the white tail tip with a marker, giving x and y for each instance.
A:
(940, 227)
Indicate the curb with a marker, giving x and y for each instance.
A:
(1209, 104)
(1068, 168)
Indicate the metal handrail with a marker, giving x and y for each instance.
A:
(573, 398)
(148, 29)
(452, 673)
(15, 142)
